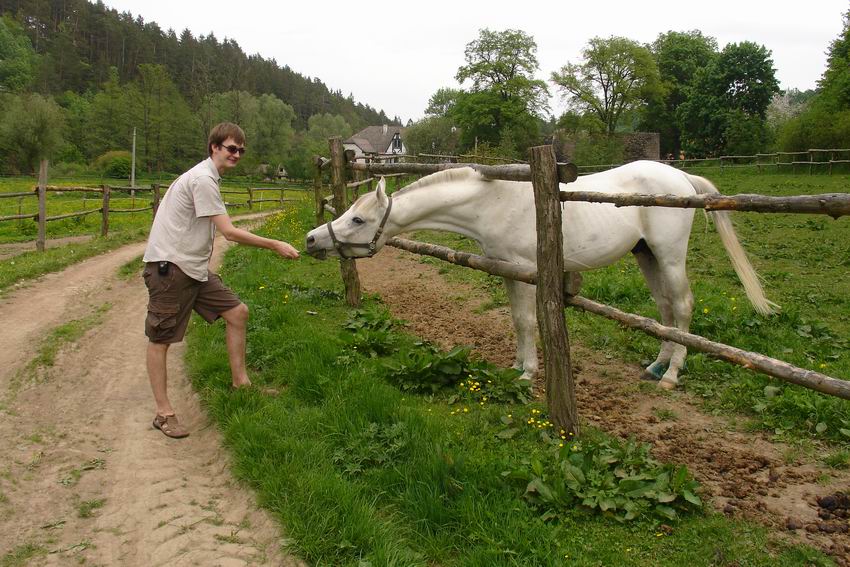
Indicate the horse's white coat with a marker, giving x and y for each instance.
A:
(500, 216)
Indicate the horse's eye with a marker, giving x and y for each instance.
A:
(357, 220)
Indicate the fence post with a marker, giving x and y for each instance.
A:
(347, 267)
(250, 199)
(560, 388)
(369, 186)
(104, 225)
(42, 206)
(155, 188)
(281, 197)
(317, 191)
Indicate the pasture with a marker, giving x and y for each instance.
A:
(803, 260)
(364, 468)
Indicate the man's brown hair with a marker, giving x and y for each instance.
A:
(223, 131)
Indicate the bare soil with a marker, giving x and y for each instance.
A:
(84, 477)
(743, 474)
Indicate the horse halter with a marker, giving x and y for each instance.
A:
(370, 246)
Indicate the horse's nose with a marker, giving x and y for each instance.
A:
(311, 240)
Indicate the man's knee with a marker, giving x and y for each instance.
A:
(237, 315)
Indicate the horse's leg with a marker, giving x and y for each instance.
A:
(679, 291)
(651, 272)
(524, 314)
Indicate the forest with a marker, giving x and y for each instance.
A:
(76, 78)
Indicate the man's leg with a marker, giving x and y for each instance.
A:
(237, 325)
(157, 373)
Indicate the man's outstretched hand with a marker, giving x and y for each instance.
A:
(285, 250)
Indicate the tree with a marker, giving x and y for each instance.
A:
(17, 57)
(30, 129)
(167, 126)
(442, 102)
(825, 120)
(433, 134)
(505, 63)
(679, 55)
(272, 137)
(505, 101)
(616, 76)
(738, 84)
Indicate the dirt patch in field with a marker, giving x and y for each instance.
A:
(743, 474)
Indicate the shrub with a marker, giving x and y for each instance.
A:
(115, 164)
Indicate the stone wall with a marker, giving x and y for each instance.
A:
(636, 145)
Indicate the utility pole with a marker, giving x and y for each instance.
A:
(133, 166)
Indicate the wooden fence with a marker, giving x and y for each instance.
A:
(552, 294)
(813, 161)
(105, 194)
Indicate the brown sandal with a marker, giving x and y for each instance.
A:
(169, 425)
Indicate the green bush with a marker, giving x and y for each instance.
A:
(116, 164)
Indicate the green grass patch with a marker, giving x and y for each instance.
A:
(362, 472)
(30, 265)
(86, 508)
(132, 268)
(20, 555)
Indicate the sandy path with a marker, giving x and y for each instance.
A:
(84, 477)
(15, 248)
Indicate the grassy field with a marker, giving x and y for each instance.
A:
(364, 467)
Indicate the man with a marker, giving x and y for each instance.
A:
(177, 268)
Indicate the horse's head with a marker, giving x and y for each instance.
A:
(358, 233)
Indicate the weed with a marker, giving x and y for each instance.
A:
(839, 459)
(614, 477)
(86, 508)
(374, 446)
(425, 369)
(21, 555)
(665, 414)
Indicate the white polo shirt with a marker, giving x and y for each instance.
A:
(182, 231)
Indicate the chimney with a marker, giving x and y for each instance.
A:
(385, 128)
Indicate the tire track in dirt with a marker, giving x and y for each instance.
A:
(742, 474)
(88, 479)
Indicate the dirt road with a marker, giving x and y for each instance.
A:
(84, 478)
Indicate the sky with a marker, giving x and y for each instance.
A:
(394, 55)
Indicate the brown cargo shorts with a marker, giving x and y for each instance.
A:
(174, 295)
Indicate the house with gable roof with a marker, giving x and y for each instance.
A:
(376, 140)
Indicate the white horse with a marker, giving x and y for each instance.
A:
(500, 216)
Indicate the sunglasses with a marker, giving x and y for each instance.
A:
(235, 150)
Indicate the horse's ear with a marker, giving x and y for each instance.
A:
(381, 192)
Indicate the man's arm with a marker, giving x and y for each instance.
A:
(242, 236)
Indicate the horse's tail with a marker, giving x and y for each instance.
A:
(743, 268)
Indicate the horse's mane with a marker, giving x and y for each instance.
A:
(446, 176)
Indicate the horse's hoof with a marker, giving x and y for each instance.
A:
(649, 376)
(667, 384)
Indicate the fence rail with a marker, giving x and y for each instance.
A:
(104, 193)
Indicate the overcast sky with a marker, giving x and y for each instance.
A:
(394, 55)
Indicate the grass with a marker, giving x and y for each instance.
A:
(20, 555)
(441, 498)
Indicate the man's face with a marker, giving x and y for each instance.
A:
(227, 155)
